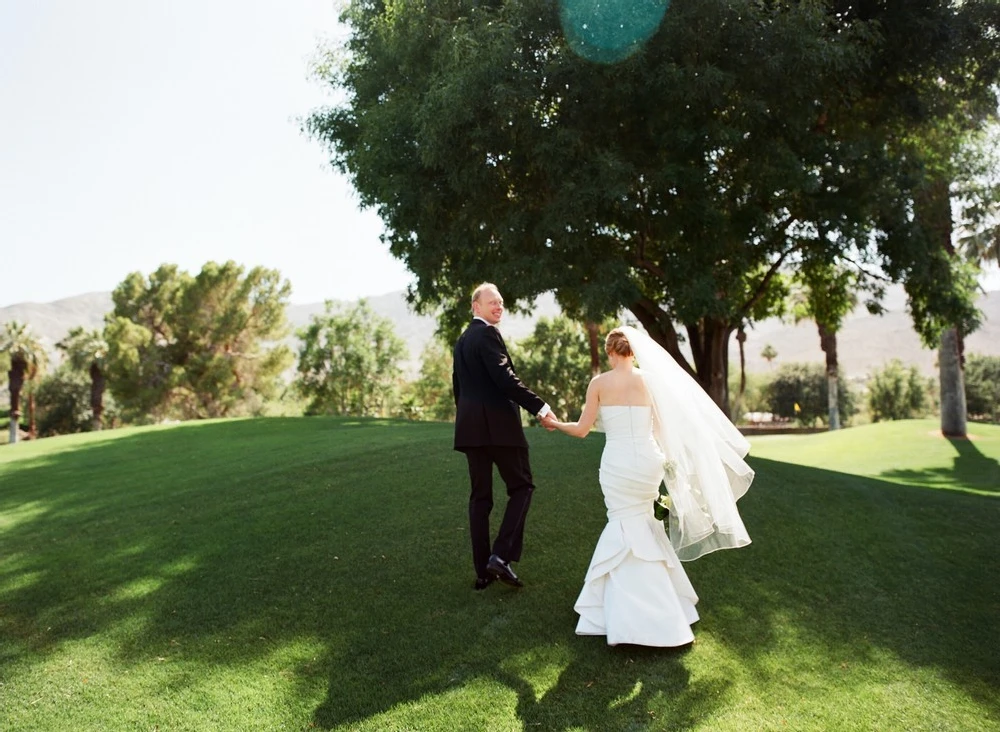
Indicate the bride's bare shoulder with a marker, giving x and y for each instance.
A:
(598, 381)
(639, 383)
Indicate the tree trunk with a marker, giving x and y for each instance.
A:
(932, 209)
(953, 407)
(709, 340)
(32, 433)
(828, 342)
(595, 348)
(661, 329)
(741, 338)
(718, 387)
(15, 382)
(97, 396)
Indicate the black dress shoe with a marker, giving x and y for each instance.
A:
(483, 582)
(500, 570)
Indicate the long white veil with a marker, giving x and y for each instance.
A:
(707, 450)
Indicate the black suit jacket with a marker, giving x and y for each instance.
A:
(488, 392)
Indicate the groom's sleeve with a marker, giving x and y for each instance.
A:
(498, 365)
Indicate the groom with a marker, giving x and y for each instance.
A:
(488, 430)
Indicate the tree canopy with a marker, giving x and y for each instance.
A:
(741, 139)
(195, 347)
(350, 361)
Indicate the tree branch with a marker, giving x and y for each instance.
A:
(762, 286)
(865, 272)
(639, 260)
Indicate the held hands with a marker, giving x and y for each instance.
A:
(549, 421)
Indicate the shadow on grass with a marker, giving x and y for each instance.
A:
(863, 566)
(591, 686)
(223, 543)
(973, 470)
(220, 544)
(430, 638)
(856, 566)
(217, 531)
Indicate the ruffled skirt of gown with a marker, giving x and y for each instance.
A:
(636, 590)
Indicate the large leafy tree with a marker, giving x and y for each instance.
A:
(27, 357)
(675, 183)
(144, 367)
(195, 347)
(350, 362)
(86, 350)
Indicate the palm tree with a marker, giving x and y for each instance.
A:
(27, 361)
(979, 232)
(86, 350)
(979, 229)
(981, 246)
(978, 242)
(975, 239)
(826, 294)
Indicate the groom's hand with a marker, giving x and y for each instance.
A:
(549, 421)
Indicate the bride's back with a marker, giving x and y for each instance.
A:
(621, 388)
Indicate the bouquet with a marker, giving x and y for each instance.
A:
(663, 503)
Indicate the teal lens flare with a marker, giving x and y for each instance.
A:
(608, 31)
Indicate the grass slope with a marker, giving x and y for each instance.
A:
(315, 573)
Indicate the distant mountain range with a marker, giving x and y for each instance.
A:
(865, 343)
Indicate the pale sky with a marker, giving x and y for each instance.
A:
(134, 133)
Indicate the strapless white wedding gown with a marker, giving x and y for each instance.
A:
(636, 590)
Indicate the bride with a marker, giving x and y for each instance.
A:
(660, 426)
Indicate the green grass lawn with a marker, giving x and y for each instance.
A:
(315, 573)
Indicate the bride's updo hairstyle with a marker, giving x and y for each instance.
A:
(618, 344)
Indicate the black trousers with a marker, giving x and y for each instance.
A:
(512, 463)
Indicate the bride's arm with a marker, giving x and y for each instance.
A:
(581, 428)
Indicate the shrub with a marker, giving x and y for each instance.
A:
(982, 387)
(755, 397)
(430, 397)
(898, 392)
(63, 403)
(805, 385)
